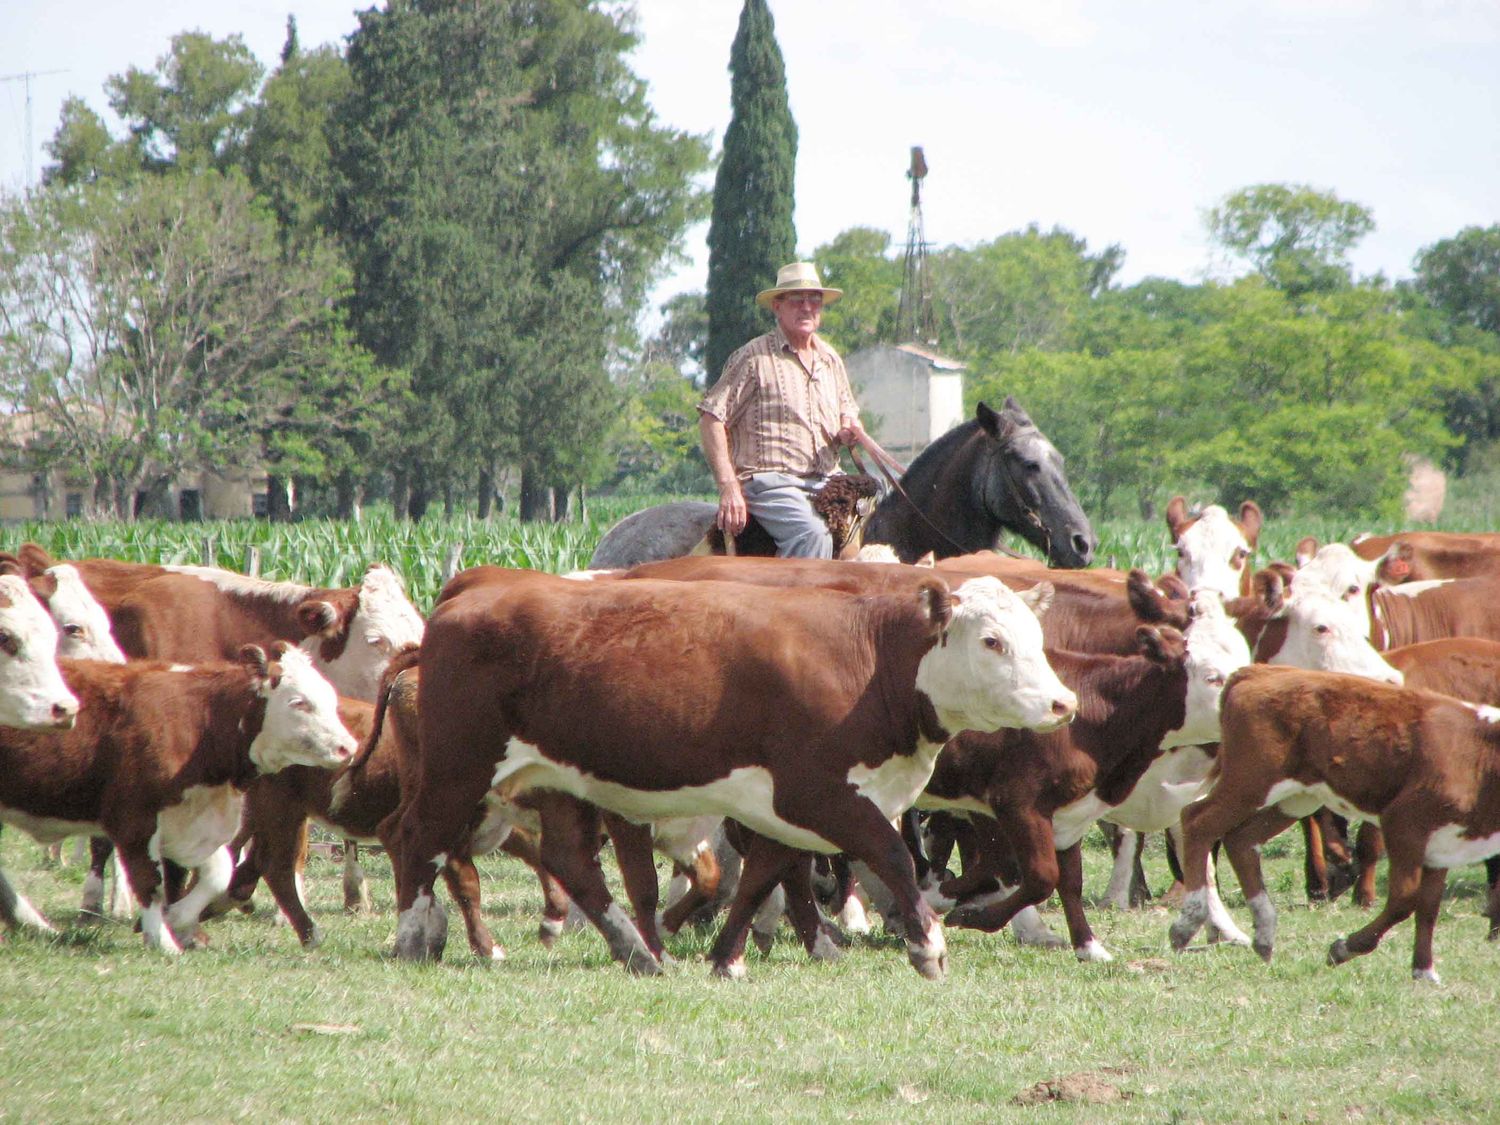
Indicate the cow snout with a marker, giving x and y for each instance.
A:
(64, 715)
(1063, 711)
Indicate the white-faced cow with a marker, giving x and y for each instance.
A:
(1427, 766)
(810, 715)
(33, 695)
(1214, 548)
(157, 762)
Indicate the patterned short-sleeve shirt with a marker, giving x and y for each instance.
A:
(779, 415)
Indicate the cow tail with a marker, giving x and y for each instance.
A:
(405, 657)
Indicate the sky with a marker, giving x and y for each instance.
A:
(1121, 121)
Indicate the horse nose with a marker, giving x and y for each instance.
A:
(1082, 546)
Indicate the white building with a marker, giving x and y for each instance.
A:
(908, 395)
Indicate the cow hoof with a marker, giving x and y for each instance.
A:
(966, 917)
(932, 966)
(548, 932)
(495, 955)
(1494, 934)
(1028, 928)
(1426, 976)
(1339, 952)
(824, 948)
(1179, 935)
(1263, 949)
(1092, 952)
(763, 941)
(729, 970)
(640, 963)
(314, 937)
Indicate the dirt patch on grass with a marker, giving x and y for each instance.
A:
(1088, 1087)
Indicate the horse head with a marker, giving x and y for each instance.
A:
(1023, 487)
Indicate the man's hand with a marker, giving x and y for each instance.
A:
(852, 435)
(733, 514)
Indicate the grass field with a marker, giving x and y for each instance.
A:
(94, 1028)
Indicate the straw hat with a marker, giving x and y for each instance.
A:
(797, 278)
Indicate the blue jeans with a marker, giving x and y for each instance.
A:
(782, 503)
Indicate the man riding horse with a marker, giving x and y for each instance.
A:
(771, 426)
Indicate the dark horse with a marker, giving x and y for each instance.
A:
(996, 471)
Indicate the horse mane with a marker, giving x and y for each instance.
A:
(938, 455)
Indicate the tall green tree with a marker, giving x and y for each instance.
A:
(1296, 237)
(1461, 276)
(507, 197)
(858, 261)
(752, 233)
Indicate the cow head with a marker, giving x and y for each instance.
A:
(32, 693)
(301, 726)
(1213, 550)
(351, 634)
(989, 671)
(1215, 649)
(1337, 571)
(83, 628)
(1328, 634)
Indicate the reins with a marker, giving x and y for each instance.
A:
(886, 463)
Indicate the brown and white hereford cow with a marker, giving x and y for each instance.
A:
(1427, 766)
(810, 715)
(157, 761)
(83, 627)
(1418, 556)
(1214, 548)
(33, 695)
(1132, 757)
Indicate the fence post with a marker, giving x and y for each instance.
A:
(450, 561)
(210, 551)
(252, 561)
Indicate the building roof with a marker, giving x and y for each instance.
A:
(941, 362)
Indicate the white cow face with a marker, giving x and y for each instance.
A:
(989, 670)
(383, 620)
(301, 725)
(83, 627)
(1215, 650)
(1212, 553)
(1338, 571)
(32, 693)
(1328, 634)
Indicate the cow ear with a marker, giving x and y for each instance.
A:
(1145, 599)
(44, 585)
(1270, 589)
(9, 564)
(279, 649)
(329, 614)
(35, 559)
(937, 603)
(1307, 547)
(1251, 521)
(1177, 516)
(1039, 597)
(254, 658)
(1160, 644)
(1395, 565)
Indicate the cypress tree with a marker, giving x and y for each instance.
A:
(751, 233)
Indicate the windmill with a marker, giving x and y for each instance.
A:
(915, 320)
(25, 78)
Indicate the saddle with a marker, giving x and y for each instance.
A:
(845, 502)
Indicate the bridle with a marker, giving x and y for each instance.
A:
(1028, 513)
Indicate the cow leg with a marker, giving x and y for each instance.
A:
(280, 857)
(1243, 845)
(555, 900)
(147, 883)
(1369, 848)
(1314, 860)
(704, 876)
(16, 911)
(213, 880)
(1086, 947)
(461, 878)
(356, 886)
(570, 850)
(1127, 880)
(1174, 894)
(637, 862)
(1203, 824)
(1405, 878)
(100, 852)
(1030, 835)
(812, 929)
(1429, 901)
(1492, 906)
(855, 825)
(766, 862)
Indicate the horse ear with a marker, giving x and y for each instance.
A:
(998, 426)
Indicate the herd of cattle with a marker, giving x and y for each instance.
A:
(198, 721)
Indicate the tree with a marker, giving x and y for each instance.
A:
(194, 109)
(156, 328)
(1461, 276)
(751, 234)
(1296, 237)
(506, 197)
(858, 262)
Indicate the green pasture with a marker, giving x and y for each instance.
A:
(95, 1028)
